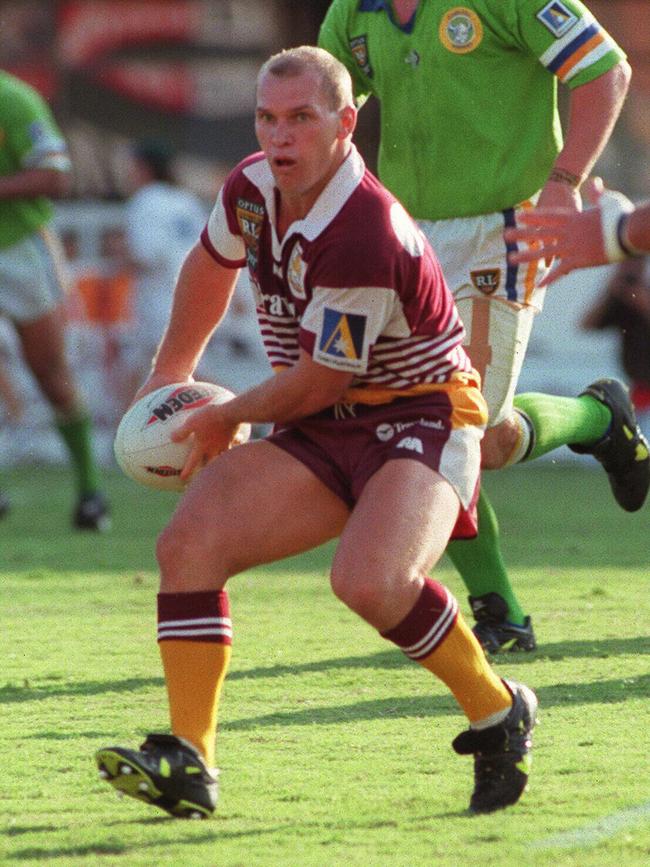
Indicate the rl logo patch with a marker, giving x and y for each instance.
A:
(486, 281)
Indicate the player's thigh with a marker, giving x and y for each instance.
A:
(399, 527)
(43, 347)
(253, 504)
(497, 336)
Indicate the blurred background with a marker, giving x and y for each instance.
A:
(182, 73)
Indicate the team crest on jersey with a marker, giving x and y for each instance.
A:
(340, 343)
(296, 270)
(557, 18)
(250, 217)
(460, 30)
(359, 49)
(486, 281)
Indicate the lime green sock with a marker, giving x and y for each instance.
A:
(480, 562)
(559, 421)
(76, 433)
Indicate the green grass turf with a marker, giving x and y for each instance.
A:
(334, 749)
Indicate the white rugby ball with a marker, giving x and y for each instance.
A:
(143, 446)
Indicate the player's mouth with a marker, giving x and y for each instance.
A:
(283, 164)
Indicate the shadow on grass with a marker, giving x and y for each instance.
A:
(43, 854)
(399, 707)
(12, 694)
(387, 659)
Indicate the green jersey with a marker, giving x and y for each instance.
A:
(468, 93)
(29, 139)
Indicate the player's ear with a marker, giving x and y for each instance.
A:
(347, 121)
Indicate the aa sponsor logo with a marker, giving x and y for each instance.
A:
(413, 444)
(342, 339)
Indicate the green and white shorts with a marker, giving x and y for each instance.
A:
(33, 277)
(496, 301)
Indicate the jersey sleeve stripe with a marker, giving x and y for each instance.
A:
(559, 57)
(589, 60)
(578, 50)
(209, 246)
(584, 56)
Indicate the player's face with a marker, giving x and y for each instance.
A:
(303, 137)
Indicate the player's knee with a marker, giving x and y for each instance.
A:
(498, 444)
(57, 387)
(171, 551)
(359, 593)
(368, 594)
(190, 559)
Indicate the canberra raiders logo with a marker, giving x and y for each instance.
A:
(460, 30)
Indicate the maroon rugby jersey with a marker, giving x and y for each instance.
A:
(354, 283)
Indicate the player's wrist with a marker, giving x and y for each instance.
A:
(623, 234)
(615, 209)
(559, 175)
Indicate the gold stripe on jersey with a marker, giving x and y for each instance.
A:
(463, 390)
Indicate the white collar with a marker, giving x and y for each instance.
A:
(332, 199)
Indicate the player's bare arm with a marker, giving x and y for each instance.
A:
(593, 110)
(203, 293)
(52, 183)
(292, 394)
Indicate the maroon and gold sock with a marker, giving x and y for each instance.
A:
(195, 638)
(435, 635)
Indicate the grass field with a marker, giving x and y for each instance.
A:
(334, 749)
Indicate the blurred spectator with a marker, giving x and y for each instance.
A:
(35, 167)
(162, 222)
(9, 396)
(625, 305)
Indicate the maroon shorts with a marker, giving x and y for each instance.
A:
(345, 450)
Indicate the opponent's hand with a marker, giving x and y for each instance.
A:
(558, 195)
(211, 432)
(558, 233)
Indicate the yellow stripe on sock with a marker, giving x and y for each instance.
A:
(461, 664)
(194, 673)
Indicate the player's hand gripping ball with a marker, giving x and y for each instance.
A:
(143, 446)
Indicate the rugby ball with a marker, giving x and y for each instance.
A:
(143, 446)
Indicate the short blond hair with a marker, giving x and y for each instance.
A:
(336, 83)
